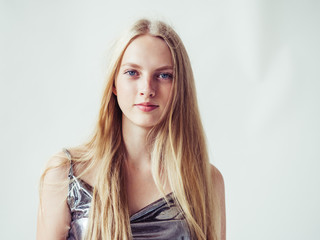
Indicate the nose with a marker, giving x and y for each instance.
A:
(147, 93)
(147, 88)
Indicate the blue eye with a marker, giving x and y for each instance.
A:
(131, 73)
(165, 75)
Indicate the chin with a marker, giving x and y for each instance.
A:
(142, 121)
(147, 123)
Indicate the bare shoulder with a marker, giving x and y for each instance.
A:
(59, 165)
(217, 178)
(57, 168)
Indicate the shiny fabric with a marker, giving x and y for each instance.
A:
(157, 221)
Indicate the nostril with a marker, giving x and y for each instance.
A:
(147, 93)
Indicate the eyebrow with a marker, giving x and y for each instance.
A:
(139, 67)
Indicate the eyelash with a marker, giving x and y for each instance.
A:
(128, 72)
(169, 75)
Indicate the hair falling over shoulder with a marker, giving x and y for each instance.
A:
(177, 146)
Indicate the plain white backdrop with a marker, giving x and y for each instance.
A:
(256, 65)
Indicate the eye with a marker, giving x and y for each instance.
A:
(131, 73)
(165, 75)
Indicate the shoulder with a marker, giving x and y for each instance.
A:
(218, 182)
(59, 164)
(217, 177)
(57, 168)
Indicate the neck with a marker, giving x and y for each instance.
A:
(135, 140)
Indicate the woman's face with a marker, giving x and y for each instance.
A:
(143, 83)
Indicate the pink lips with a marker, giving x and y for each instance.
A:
(146, 106)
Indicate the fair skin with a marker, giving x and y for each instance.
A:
(142, 86)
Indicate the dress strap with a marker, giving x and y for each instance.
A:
(68, 154)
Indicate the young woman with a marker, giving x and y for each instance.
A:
(145, 173)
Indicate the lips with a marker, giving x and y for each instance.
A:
(146, 106)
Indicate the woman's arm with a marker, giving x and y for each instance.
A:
(53, 213)
(219, 188)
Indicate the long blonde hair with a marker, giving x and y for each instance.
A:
(177, 148)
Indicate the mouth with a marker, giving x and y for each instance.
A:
(146, 106)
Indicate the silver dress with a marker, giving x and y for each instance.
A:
(157, 221)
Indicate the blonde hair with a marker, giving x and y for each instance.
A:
(177, 147)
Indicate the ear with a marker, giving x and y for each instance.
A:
(114, 90)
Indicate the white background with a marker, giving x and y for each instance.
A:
(256, 65)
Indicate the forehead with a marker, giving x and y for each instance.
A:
(147, 51)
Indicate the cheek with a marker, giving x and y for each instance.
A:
(125, 92)
(121, 86)
(169, 89)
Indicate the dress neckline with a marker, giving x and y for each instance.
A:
(148, 208)
(151, 206)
